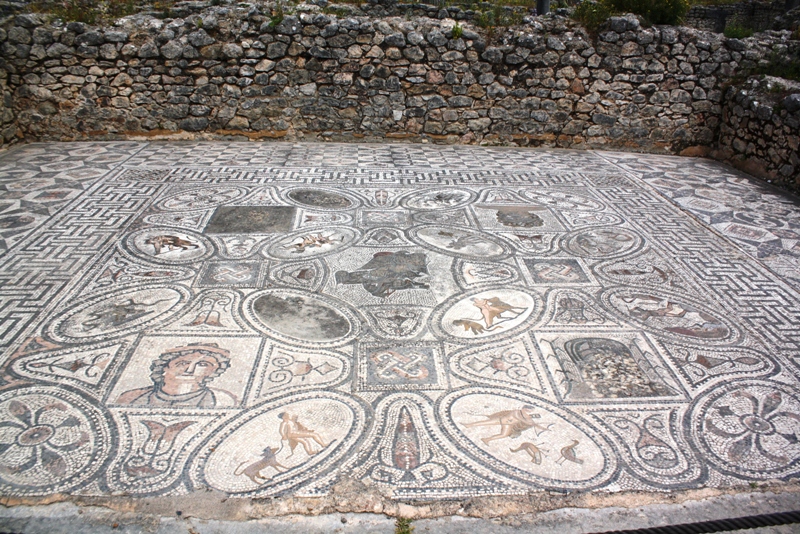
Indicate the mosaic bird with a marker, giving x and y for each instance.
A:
(568, 453)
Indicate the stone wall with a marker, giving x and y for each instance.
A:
(228, 71)
(760, 130)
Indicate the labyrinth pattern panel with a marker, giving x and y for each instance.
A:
(266, 319)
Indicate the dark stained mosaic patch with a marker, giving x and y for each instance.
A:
(320, 199)
(251, 220)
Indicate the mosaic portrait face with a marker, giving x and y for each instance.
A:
(190, 369)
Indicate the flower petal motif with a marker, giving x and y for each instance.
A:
(771, 403)
(740, 448)
(21, 412)
(53, 462)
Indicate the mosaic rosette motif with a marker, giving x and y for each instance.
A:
(444, 326)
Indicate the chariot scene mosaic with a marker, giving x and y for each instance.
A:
(438, 322)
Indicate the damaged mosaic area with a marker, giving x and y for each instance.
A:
(439, 322)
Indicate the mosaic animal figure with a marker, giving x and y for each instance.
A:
(388, 272)
(512, 423)
(170, 242)
(534, 451)
(476, 327)
(568, 453)
(311, 241)
(253, 471)
(463, 241)
(493, 308)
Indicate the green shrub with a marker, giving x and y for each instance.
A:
(653, 11)
(458, 31)
(497, 16)
(88, 11)
(277, 15)
(592, 14)
(781, 66)
(737, 31)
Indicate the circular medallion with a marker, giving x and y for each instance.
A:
(300, 317)
(750, 429)
(117, 313)
(169, 245)
(52, 440)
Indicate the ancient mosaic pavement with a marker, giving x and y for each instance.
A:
(263, 319)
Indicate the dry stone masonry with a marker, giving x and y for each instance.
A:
(234, 71)
(759, 130)
(754, 14)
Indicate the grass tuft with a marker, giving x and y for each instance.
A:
(403, 526)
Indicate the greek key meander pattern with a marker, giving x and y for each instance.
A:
(263, 319)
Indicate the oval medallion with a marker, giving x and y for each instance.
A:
(117, 313)
(438, 199)
(602, 242)
(301, 317)
(169, 245)
(563, 201)
(669, 315)
(321, 199)
(202, 198)
(489, 313)
(312, 243)
(459, 242)
(528, 439)
(273, 448)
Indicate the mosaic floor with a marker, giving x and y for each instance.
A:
(440, 322)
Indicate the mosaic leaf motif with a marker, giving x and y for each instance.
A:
(504, 364)
(699, 365)
(396, 322)
(409, 457)
(654, 450)
(290, 368)
(86, 365)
